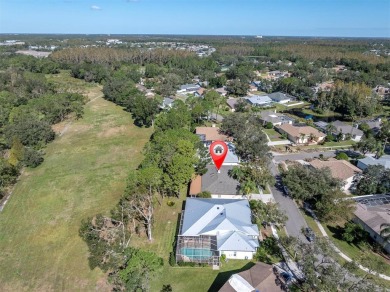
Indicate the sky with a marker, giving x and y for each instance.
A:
(345, 18)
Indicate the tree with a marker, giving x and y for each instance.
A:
(368, 144)
(176, 118)
(342, 156)
(237, 87)
(16, 153)
(144, 110)
(267, 212)
(354, 233)
(334, 206)
(309, 183)
(139, 194)
(385, 231)
(375, 179)
(384, 134)
(135, 273)
(251, 142)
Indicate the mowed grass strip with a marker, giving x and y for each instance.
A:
(83, 174)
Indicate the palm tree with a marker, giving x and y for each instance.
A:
(302, 137)
(385, 231)
(312, 137)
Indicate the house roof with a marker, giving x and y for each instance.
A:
(279, 96)
(347, 129)
(384, 160)
(273, 117)
(221, 90)
(232, 102)
(260, 277)
(259, 99)
(219, 183)
(340, 169)
(210, 134)
(167, 102)
(189, 87)
(373, 216)
(229, 220)
(297, 131)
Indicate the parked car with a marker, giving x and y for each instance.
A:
(309, 234)
(286, 191)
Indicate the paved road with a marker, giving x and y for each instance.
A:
(295, 220)
(300, 156)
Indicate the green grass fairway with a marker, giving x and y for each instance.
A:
(83, 174)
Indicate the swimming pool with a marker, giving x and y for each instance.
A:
(196, 253)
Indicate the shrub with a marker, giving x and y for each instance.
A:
(204, 194)
(172, 259)
(171, 203)
(269, 125)
(32, 157)
(329, 138)
(342, 156)
(223, 257)
(191, 264)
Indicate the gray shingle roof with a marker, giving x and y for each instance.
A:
(219, 183)
(347, 129)
(384, 160)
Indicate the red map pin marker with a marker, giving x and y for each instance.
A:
(218, 151)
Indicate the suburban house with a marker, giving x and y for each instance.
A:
(210, 134)
(231, 102)
(222, 91)
(219, 183)
(347, 130)
(301, 135)
(210, 228)
(374, 125)
(260, 277)
(252, 87)
(369, 160)
(275, 118)
(280, 97)
(370, 213)
(259, 100)
(200, 92)
(339, 169)
(278, 74)
(167, 103)
(188, 88)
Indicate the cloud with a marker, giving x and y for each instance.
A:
(95, 7)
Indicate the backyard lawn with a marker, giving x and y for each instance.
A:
(84, 173)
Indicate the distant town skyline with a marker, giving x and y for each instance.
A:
(323, 18)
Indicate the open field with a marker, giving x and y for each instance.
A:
(83, 174)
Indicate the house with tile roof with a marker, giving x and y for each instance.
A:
(340, 169)
(260, 277)
(210, 228)
(210, 134)
(371, 212)
(301, 134)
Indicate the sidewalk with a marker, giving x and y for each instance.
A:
(344, 256)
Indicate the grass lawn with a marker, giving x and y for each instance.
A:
(273, 135)
(328, 114)
(83, 174)
(351, 250)
(340, 144)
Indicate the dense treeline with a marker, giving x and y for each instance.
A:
(29, 106)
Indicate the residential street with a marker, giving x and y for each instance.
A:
(300, 156)
(295, 220)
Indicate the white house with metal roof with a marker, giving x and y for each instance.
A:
(210, 228)
(259, 100)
